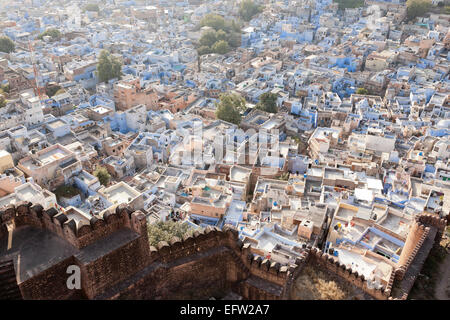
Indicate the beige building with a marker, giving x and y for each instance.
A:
(129, 93)
(122, 193)
(51, 167)
(6, 161)
(114, 146)
(305, 229)
(29, 192)
(214, 208)
(379, 61)
(99, 112)
(322, 140)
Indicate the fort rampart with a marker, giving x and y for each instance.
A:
(117, 262)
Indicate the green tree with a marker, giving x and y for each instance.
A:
(66, 191)
(417, 8)
(248, 9)
(216, 42)
(221, 47)
(224, 30)
(284, 176)
(6, 45)
(51, 91)
(214, 21)
(203, 50)
(268, 102)
(343, 4)
(5, 87)
(229, 107)
(2, 101)
(362, 91)
(55, 34)
(109, 67)
(218, 22)
(60, 91)
(91, 7)
(208, 38)
(166, 230)
(221, 35)
(234, 39)
(103, 175)
(236, 27)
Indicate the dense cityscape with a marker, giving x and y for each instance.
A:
(237, 150)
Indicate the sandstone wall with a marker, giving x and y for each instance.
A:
(209, 263)
(49, 284)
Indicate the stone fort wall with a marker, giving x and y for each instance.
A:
(420, 230)
(210, 259)
(209, 263)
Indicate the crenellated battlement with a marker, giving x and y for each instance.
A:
(433, 220)
(204, 249)
(426, 231)
(416, 237)
(177, 248)
(419, 232)
(212, 237)
(263, 267)
(78, 234)
(327, 262)
(203, 246)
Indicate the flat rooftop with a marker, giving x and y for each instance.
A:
(7, 200)
(235, 211)
(101, 110)
(356, 262)
(46, 157)
(52, 155)
(333, 174)
(397, 224)
(324, 133)
(239, 173)
(345, 213)
(270, 124)
(28, 192)
(4, 153)
(120, 193)
(56, 124)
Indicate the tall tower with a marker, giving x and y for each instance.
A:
(38, 90)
